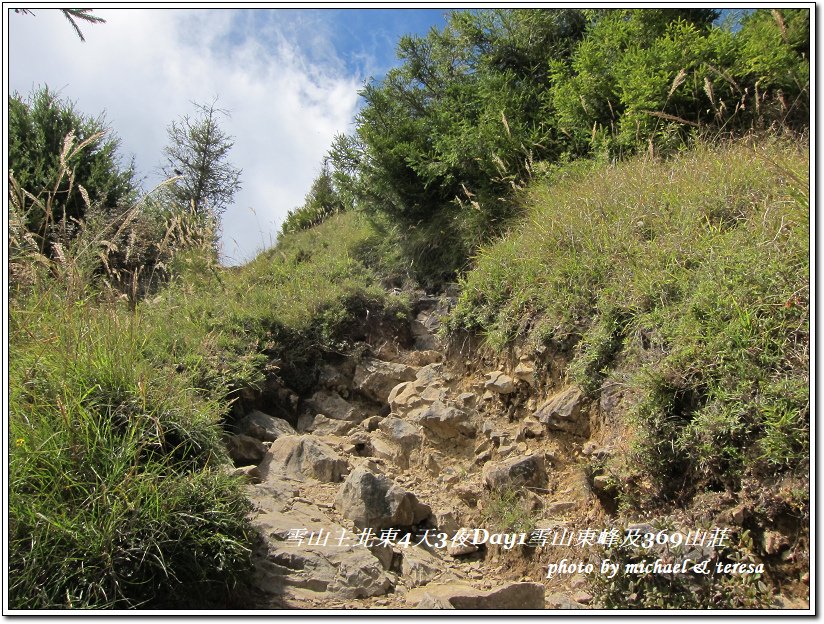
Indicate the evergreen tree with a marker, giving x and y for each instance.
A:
(197, 155)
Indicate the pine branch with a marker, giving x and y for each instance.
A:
(84, 15)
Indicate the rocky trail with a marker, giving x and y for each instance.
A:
(389, 483)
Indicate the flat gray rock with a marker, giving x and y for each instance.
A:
(373, 500)
(303, 456)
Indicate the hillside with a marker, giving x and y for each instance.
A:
(538, 337)
(648, 349)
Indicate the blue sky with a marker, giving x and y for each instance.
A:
(289, 77)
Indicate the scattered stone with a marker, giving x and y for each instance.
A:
(467, 399)
(450, 476)
(376, 378)
(505, 450)
(461, 596)
(532, 429)
(525, 371)
(333, 405)
(496, 436)
(774, 542)
(372, 423)
(591, 449)
(400, 431)
(404, 397)
(420, 567)
(518, 471)
(430, 394)
(483, 458)
(582, 597)
(468, 494)
(303, 456)
(560, 507)
(446, 522)
(264, 427)
(384, 554)
(431, 464)
(500, 383)
(564, 412)
(423, 358)
(458, 549)
(389, 451)
(321, 425)
(394, 392)
(561, 601)
(250, 473)
(244, 450)
(372, 500)
(357, 573)
(429, 375)
(578, 582)
(485, 445)
(445, 421)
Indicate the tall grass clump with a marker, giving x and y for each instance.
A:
(123, 371)
(117, 496)
(118, 491)
(687, 279)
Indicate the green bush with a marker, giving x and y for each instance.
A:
(38, 128)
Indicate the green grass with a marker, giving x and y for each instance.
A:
(118, 489)
(687, 279)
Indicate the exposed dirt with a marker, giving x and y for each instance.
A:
(445, 469)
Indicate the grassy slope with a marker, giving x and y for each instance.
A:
(117, 492)
(686, 279)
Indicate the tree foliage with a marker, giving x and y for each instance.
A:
(321, 202)
(197, 155)
(84, 15)
(446, 139)
(38, 129)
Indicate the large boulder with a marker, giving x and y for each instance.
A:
(515, 472)
(424, 358)
(432, 374)
(303, 456)
(525, 371)
(419, 567)
(444, 420)
(244, 450)
(264, 427)
(564, 412)
(321, 425)
(461, 596)
(499, 382)
(333, 405)
(401, 432)
(395, 441)
(373, 500)
(343, 573)
(404, 397)
(376, 378)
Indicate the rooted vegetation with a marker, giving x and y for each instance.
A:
(687, 280)
(624, 191)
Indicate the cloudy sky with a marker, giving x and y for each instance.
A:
(289, 77)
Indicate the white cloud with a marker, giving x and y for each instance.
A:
(274, 70)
